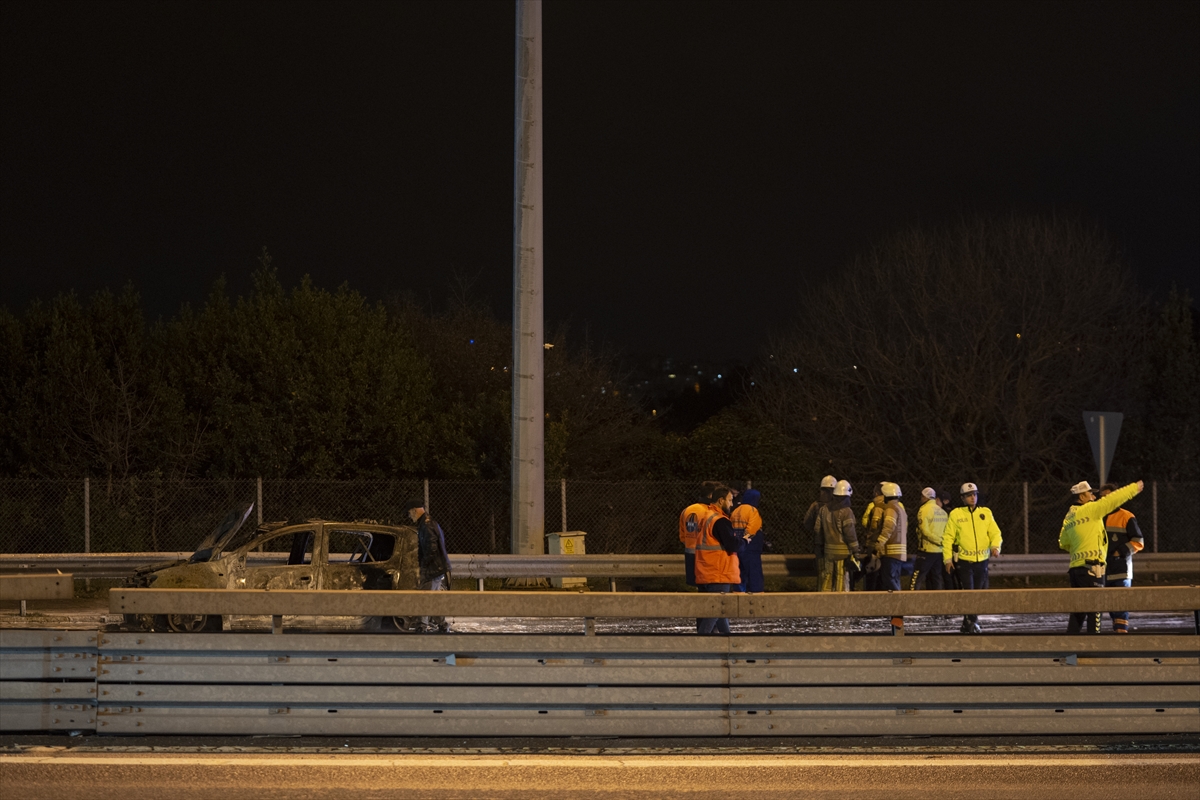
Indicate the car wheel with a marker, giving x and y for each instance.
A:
(187, 623)
(407, 624)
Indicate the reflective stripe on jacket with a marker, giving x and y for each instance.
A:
(1083, 534)
(713, 564)
(931, 526)
(974, 531)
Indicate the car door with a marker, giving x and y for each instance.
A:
(283, 560)
(358, 557)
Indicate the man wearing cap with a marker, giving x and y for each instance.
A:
(840, 540)
(433, 558)
(1084, 537)
(931, 525)
(1124, 539)
(689, 528)
(973, 528)
(747, 523)
(812, 520)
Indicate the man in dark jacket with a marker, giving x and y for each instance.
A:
(434, 560)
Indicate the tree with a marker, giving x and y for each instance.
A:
(968, 350)
(1165, 440)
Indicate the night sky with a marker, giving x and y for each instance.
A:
(705, 163)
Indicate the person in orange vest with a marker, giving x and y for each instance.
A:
(689, 528)
(717, 568)
(747, 523)
(1124, 539)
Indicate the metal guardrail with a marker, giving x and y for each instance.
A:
(639, 605)
(480, 566)
(37, 587)
(521, 685)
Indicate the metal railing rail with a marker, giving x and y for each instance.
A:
(531, 685)
(481, 566)
(641, 605)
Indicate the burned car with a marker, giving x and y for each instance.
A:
(309, 554)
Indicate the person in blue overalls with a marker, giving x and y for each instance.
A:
(747, 523)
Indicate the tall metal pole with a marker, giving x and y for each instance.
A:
(528, 424)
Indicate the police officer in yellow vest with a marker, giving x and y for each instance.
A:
(973, 528)
(931, 526)
(1084, 537)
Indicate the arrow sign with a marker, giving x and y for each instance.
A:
(1103, 428)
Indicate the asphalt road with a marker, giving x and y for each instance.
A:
(53, 774)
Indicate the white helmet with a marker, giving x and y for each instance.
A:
(828, 482)
(889, 489)
(928, 493)
(968, 488)
(1081, 487)
(843, 489)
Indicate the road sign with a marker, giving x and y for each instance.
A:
(1103, 428)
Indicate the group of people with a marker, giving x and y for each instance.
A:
(723, 543)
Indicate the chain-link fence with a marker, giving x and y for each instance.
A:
(149, 514)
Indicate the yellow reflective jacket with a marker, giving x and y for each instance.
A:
(1083, 534)
(931, 523)
(974, 531)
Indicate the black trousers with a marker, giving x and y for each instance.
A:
(1080, 578)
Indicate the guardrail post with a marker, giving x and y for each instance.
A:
(480, 584)
(259, 504)
(87, 514)
(1025, 505)
(564, 505)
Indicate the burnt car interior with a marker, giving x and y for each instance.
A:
(295, 547)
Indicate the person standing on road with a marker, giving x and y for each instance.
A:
(747, 523)
(890, 545)
(872, 523)
(689, 529)
(433, 558)
(1124, 539)
(840, 541)
(717, 569)
(973, 529)
(1084, 537)
(931, 525)
(812, 517)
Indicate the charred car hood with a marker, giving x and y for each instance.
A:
(225, 530)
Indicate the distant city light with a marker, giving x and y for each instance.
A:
(795, 370)
(672, 375)
(718, 375)
(472, 341)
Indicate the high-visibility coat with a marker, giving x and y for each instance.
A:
(1083, 534)
(975, 532)
(931, 526)
(746, 520)
(713, 564)
(837, 529)
(690, 522)
(1124, 539)
(892, 539)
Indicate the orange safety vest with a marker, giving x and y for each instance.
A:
(690, 522)
(713, 564)
(746, 519)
